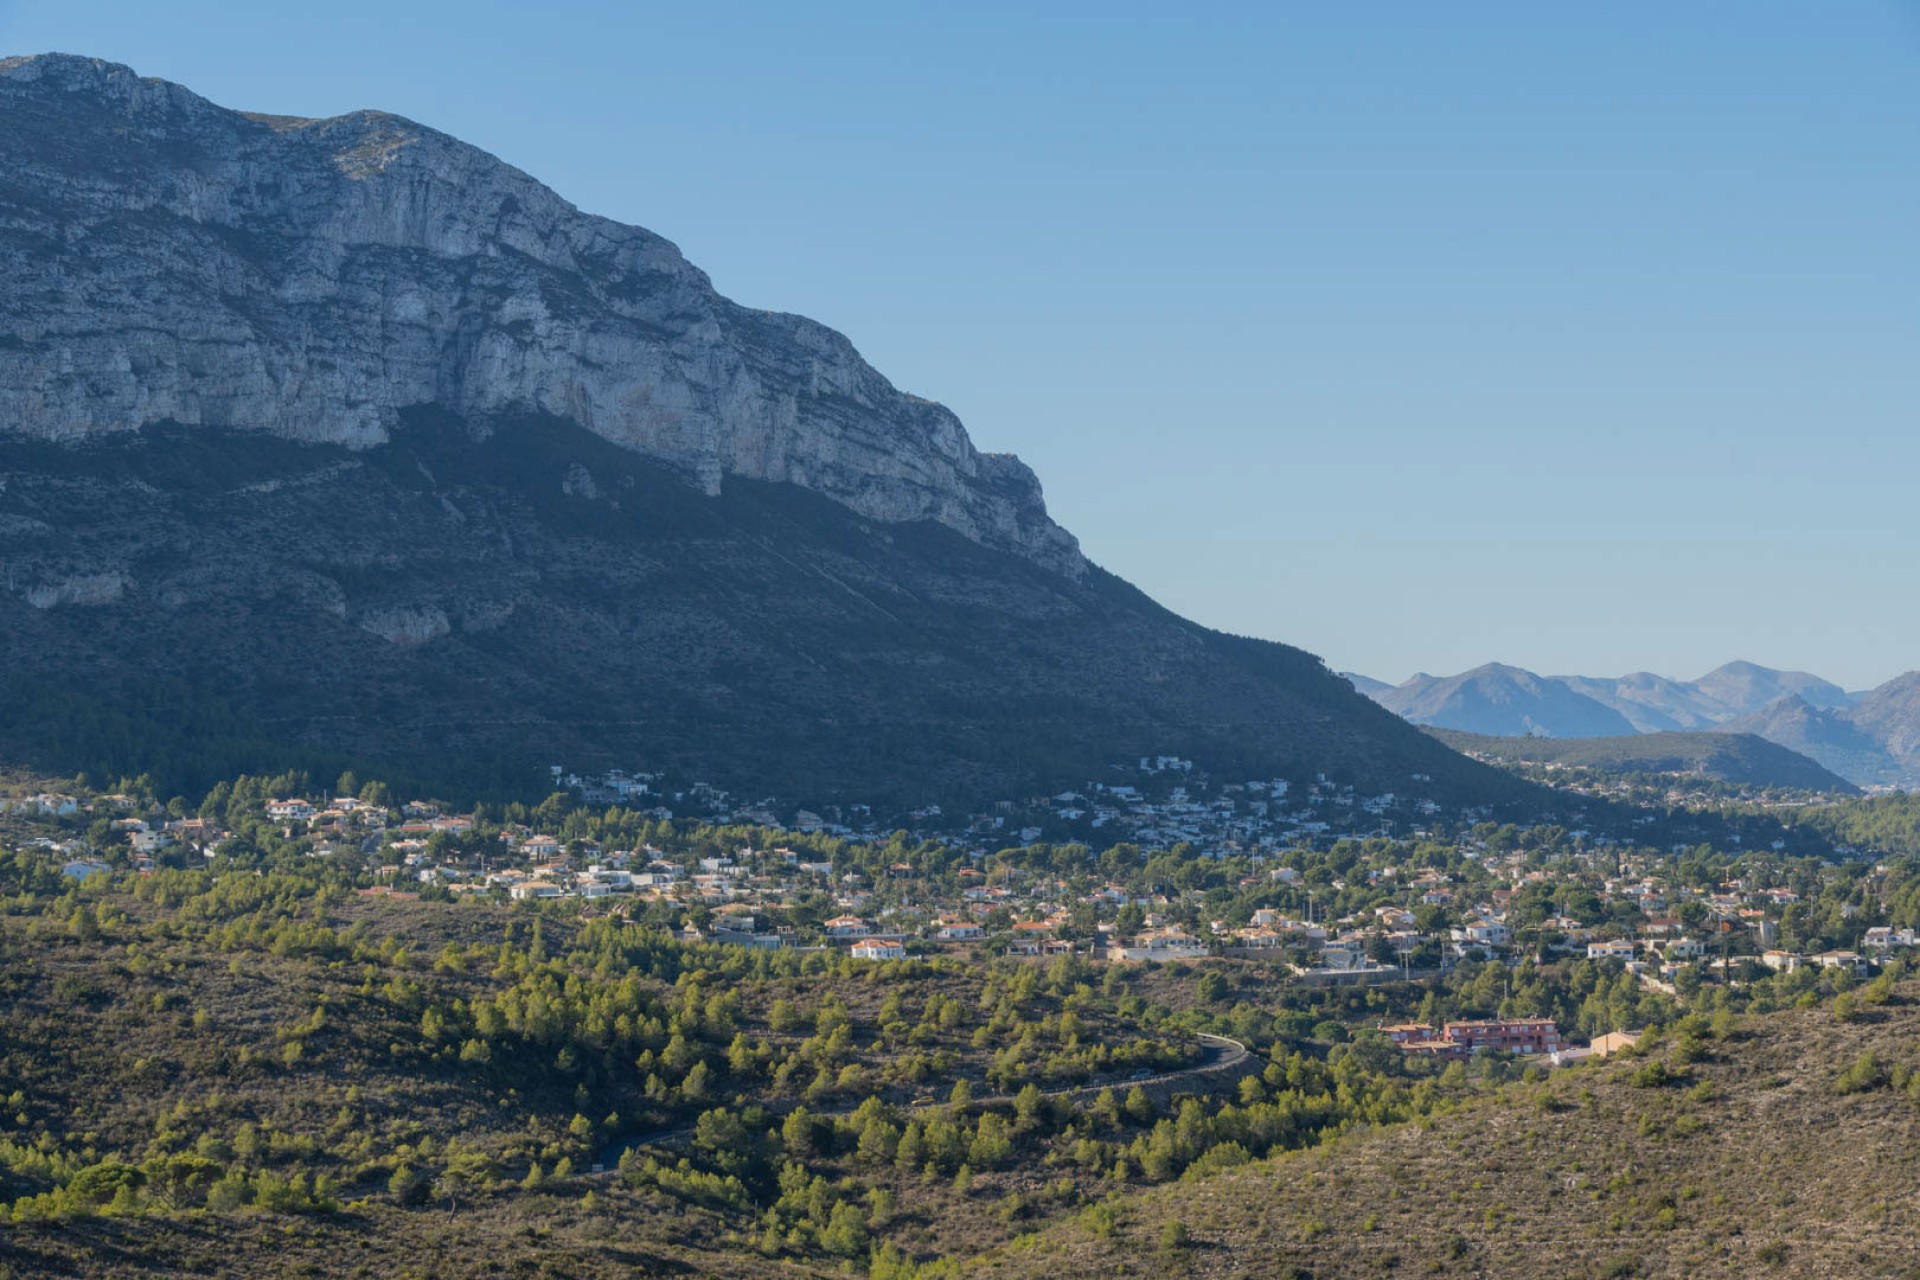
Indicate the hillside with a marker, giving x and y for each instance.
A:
(1890, 715)
(1781, 1149)
(333, 441)
(229, 1073)
(1740, 758)
(448, 605)
(277, 1061)
(1829, 736)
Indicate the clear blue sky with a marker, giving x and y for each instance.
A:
(1579, 337)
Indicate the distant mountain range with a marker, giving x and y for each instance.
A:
(331, 442)
(1871, 739)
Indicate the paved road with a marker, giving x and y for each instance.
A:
(1223, 1054)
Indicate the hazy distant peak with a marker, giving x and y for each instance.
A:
(1872, 739)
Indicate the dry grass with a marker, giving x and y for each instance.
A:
(1755, 1165)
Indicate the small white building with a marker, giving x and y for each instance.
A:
(1488, 933)
(1162, 945)
(150, 842)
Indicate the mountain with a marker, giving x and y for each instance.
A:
(1651, 703)
(1365, 684)
(1744, 687)
(1648, 703)
(170, 261)
(1503, 701)
(1870, 739)
(1656, 704)
(1741, 758)
(1890, 715)
(340, 440)
(1875, 742)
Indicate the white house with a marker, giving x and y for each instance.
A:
(878, 949)
(46, 802)
(1489, 933)
(1162, 944)
(150, 841)
(1849, 960)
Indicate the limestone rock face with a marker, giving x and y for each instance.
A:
(170, 261)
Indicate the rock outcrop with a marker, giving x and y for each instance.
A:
(171, 261)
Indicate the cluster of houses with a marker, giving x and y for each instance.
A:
(1412, 917)
(1457, 1041)
(1161, 802)
(1520, 1037)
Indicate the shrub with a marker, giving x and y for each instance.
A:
(1865, 1075)
(1656, 1074)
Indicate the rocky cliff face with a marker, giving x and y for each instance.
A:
(170, 261)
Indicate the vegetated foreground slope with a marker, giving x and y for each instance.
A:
(469, 609)
(1783, 1149)
(241, 1075)
(1741, 758)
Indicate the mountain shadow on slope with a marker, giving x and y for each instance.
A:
(466, 606)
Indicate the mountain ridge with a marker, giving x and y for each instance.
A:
(1870, 739)
(339, 440)
(312, 278)
(1503, 701)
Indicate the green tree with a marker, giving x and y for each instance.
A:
(846, 1231)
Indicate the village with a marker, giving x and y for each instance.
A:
(1310, 880)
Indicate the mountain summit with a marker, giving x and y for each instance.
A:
(333, 440)
(170, 261)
